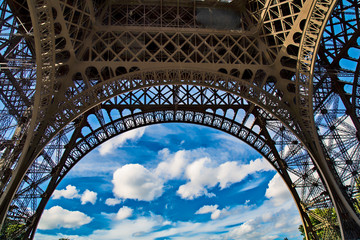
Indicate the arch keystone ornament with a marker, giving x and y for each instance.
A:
(285, 74)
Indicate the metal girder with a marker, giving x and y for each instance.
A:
(17, 68)
(12, 93)
(154, 105)
(335, 95)
(94, 56)
(17, 73)
(193, 104)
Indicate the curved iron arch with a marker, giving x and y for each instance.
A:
(307, 184)
(323, 5)
(132, 121)
(108, 89)
(144, 79)
(336, 95)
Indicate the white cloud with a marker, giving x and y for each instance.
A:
(40, 236)
(70, 193)
(277, 191)
(57, 217)
(124, 213)
(112, 201)
(231, 172)
(203, 176)
(88, 196)
(207, 209)
(280, 221)
(247, 227)
(252, 184)
(250, 230)
(131, 229)
(173, 165)
(213, 209)
(216, 214)
(271, 225)
(133, 181)
(110, 145)
(268, 222)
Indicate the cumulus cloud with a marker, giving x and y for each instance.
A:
(247, 227)
(268, 222)
(57, 217)
(202, 175)
(40, 236)
(248, 230)
(124, 213)
(112, 201)
(267, 219)
(231, 172)
(70, 193)
(213, 209)
(133, 181)
(173, 165)
(253, 226)
(130, 229)
(132, 135)
(277, 191)
(88, 196)
(271, 225)
(207, 209)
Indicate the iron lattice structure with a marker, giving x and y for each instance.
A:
(281, 75)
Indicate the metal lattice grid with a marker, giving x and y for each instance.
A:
(281, 87)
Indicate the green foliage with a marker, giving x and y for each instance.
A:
(330, 215)
(357, 196)
(302, 231)
(10, 228)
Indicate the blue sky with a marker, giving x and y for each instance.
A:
(171, 181)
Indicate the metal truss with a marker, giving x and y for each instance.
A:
(18, 78)
(185, 103)
(283, 76)
(335, 96)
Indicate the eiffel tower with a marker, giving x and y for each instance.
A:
(281, 75)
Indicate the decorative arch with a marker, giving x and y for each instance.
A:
(89, 98)
(153, 106)
(58, 51)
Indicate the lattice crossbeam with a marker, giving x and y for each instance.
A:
(164, 61)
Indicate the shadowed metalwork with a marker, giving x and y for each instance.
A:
(281, 75)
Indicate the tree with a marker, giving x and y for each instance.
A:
(12, 228)
(357, 196)
(325, 217)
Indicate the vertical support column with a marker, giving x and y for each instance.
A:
(347, 218)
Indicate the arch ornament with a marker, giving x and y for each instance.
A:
(335, 96)
(269, 60)
(163, 104)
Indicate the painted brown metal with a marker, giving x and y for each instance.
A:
(269, 72)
